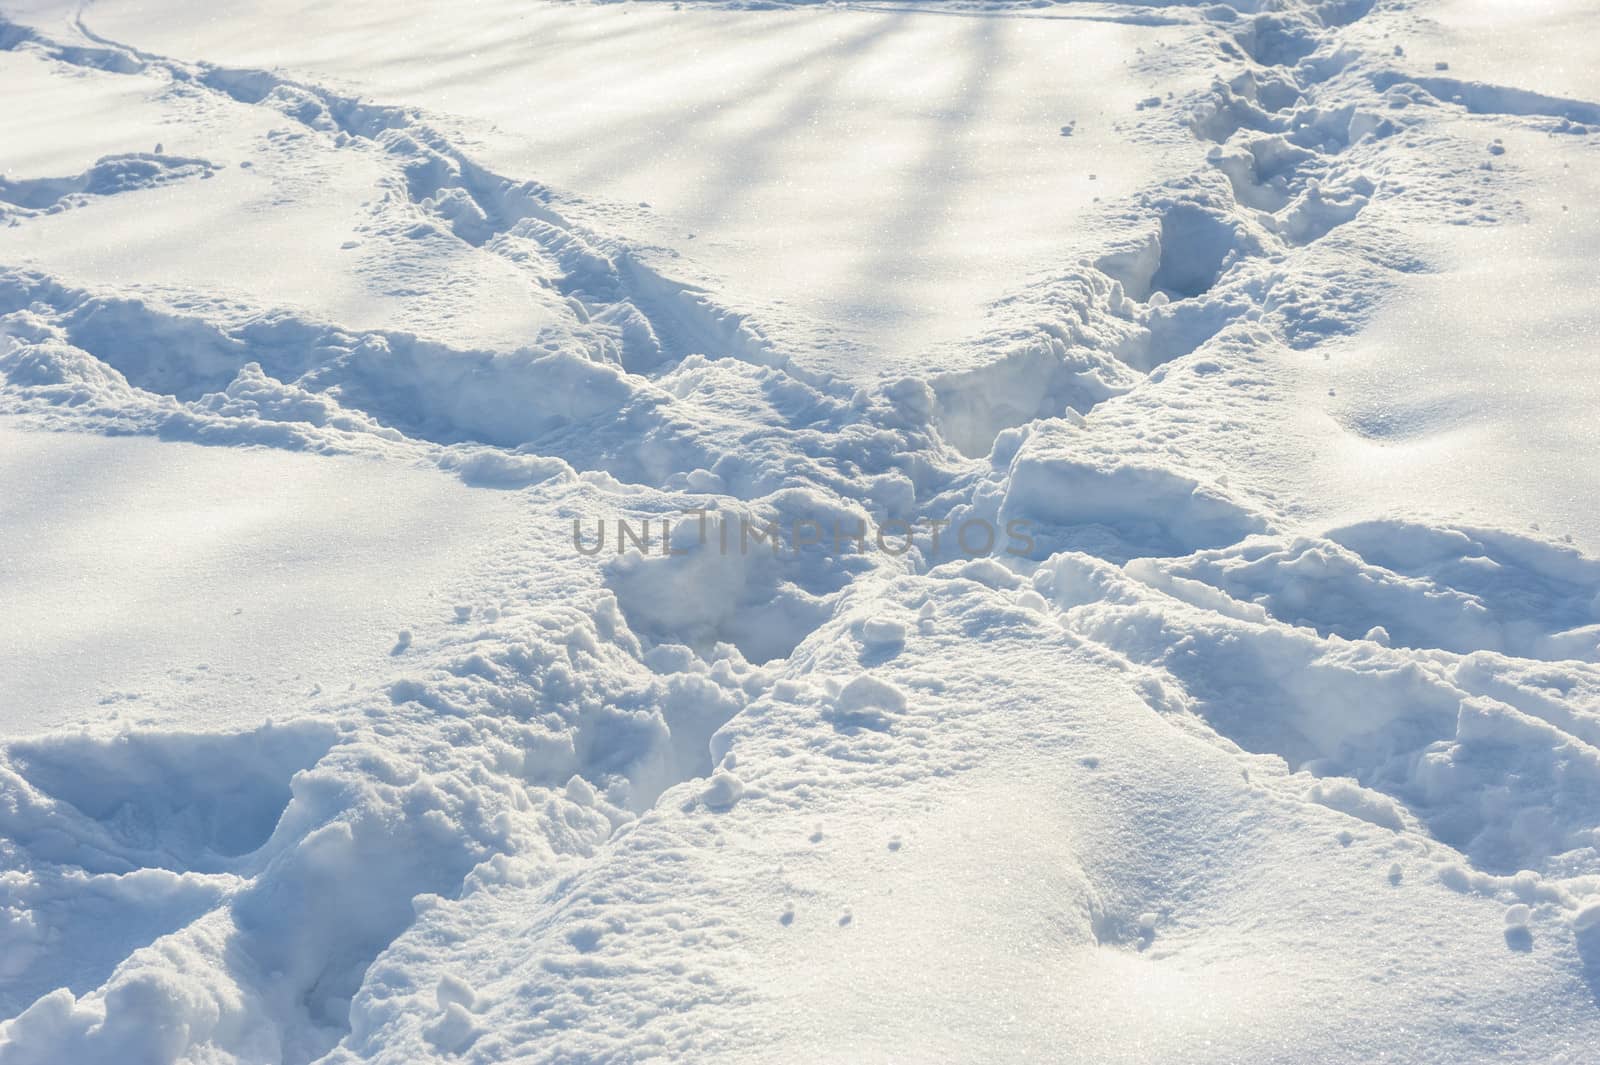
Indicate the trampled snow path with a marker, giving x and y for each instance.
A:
(1282, 743)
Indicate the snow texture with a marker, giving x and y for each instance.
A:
(391, 392)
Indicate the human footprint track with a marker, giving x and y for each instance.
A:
(111, 175)
(162, 800)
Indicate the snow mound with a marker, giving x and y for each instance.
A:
(109, 176)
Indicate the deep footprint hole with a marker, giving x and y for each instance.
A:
(1195, 247)
(1272, 40)
(182, 801)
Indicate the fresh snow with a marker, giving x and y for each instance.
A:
(299, 573)
(488, 497)
(867, 181)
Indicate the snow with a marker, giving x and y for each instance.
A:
(1543, 47)
(556, 532)
(292, 569)
(872, 180)
(1473, 418)
(253, 192)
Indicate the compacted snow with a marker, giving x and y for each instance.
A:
(933, 531)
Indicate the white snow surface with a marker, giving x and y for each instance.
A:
(179, 583)
(1260, 334)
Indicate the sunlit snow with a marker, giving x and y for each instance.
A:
(703, 531)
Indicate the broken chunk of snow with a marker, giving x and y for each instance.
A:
(868, 691)
(722, 790)
(882, 632)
